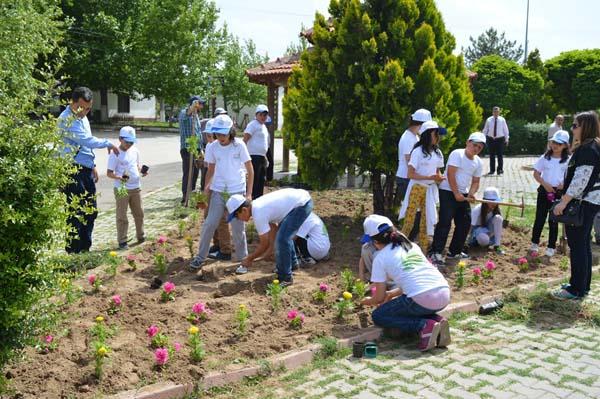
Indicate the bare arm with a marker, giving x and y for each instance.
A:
(474, 187)
(263, 245)
(538, 178)
(247, 137)
(249, 179)
(451, 176)
(378, 297)
(209, 175)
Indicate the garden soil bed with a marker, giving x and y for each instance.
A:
(68, 371)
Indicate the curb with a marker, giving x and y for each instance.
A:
(299, 357)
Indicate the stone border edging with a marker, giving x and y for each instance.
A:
(298, 357)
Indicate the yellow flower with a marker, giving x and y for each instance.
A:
(102, 351)
(275, 282)
(99, 319)
(113, 254)
(347, 296)
(242, 307)
(193, 330)
(462, 264)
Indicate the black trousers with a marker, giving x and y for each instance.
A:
(496, 149)
(542, 213)
(185, 167)
(460, 212)
(301, 245)
(259, 163)
(580, 247)
(82, 189)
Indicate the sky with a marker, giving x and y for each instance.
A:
(554, 25)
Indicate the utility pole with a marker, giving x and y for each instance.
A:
(526, 32)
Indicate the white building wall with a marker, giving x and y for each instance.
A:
(139, 109)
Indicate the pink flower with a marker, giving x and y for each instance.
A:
(534, 254)
(489, 265)
(373, 290)
(92, 279)
(161, 355)
(292, 314)
(116, 300)
(477, 271)
(177, 346)
(131, 258)
(152, 331)
(48, 339)
(522, 260)
(323, 287)
(169, 287)
(161, 239)
(201, 308)
(302, 317)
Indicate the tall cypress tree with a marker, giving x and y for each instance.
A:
(371, 65)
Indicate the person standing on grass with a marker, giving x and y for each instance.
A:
(256, 137)
(421, 290)
(189, 123)
(426, 159)
(549, 171)
(486, 222)
(277, 216)
(125, 168)
(80, 143)
(582, 182)
(496, 131)
(463, 173)
(229, 168)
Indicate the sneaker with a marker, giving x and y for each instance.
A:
(437, 259)
(196, 264)
(534, 248)
(458, 256)
(444, 338)
(214, 248)
(219, 256)
(428, 335)
(241, 270)
(549, 252)
(286, 283)
(123, 246)
(499, 250)
(500, 172)
(564, 294)
(308, 261)
(141, 240)
(490, 174)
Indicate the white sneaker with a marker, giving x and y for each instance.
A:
(437, 259)
(549, 252)
(241, 270)
(534, 248)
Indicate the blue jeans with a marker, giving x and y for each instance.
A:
(402, 313)
(285, 253)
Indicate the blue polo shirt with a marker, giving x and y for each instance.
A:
(78, 139)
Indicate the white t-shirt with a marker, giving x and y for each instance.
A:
(425, 165)
(405, 146)
(317, 239)
(274, 206)
(230, 172)
(476, 216)
(552, 170)
(411, 271)
(259, 140)
(127, 162)
(467, 169)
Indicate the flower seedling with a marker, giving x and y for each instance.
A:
(200, 312)
(295, 318)
(157, 339)
(168, 292)
(564, 264)
(523, 264)
(95, 282)
(131, 261)
(195, 343)
(99, 330)
(241, 317)
(460, 274)
(321, 294)
(160, 261)
(47, 344)
(100, 354)
(488, 271)
(189, 241)
(359, 289)
(476, 279)
(344, 304)
(116, 304)
(161, 357)
(348, 279)
(199, 200)
(161, 240)
(113, 263)
(274, 290)
(181, 227)
(122, 190)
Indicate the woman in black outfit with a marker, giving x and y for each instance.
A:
(582, 182)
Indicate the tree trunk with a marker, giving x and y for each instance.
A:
(389, 193)
(161, 115)
(378, 195)
(351, 182)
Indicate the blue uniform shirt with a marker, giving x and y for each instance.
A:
(77, 135)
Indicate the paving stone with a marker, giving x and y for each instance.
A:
(492, 379)
(527, 392)
(592, 391)
(527, 381)
(460, 368)
(406, 374)
(463, 382)
(434, 371)
(496, 394)
(367, 395)
(489, 366)
(547, 375)
(544, 385)
(429, 394)
(461, 393)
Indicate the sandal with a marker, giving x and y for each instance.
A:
(564, 294)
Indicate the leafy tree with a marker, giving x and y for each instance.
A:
(350, 101)
(490, 43)
(517, 90)
(575, 78)
(299, 46)
(237, 90)
(32, 213)
(535, 63)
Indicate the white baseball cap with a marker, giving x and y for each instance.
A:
(220, 111)
(233, 204)
(432, 125)
(208, 126)
(491, 194)
(560, 137)
(221, 124)
(477, 137)
(261, 108)
(421, 115)
(374, 225)
(127, 133)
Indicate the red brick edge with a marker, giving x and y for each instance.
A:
(295, 358)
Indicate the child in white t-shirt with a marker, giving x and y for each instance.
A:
(549, 171)
(312, 240)
(256, 137)
(426, 159)
(125, 169)
(486, 222)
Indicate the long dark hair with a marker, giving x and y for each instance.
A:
(485, 209)
(590, 127)
(426, 143)
(395, 237)
(564, 155)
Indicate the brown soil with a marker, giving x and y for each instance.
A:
(68, 371)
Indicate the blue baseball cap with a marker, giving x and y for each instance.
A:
(221, 124)
(197, 98)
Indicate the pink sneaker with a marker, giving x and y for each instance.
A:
(444, 338)
(428, 335)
